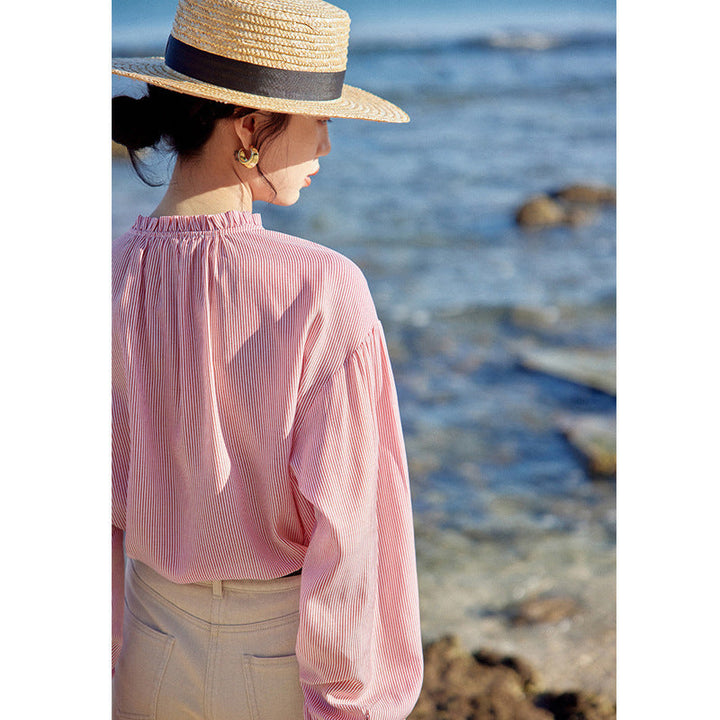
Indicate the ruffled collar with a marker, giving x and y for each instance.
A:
(197, 223)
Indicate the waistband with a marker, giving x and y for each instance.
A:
(274, 585)
(228, 602)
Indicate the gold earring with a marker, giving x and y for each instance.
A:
(244, 160)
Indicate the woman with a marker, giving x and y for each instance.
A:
(262, 529)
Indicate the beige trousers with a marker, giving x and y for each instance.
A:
(208, 651)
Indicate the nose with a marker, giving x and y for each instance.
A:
(324, 146)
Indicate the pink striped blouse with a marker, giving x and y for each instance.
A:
(256, 431)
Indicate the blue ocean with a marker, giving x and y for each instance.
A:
(508, 99)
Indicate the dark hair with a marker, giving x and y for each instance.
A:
(183, 123)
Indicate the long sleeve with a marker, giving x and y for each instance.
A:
(118, 588)
(359, 645)
(256, 431)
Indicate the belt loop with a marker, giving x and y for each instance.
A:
(217, 588)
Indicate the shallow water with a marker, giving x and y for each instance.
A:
(506, 102)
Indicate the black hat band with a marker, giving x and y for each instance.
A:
(253, 79)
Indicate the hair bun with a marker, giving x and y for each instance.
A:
(135, 122)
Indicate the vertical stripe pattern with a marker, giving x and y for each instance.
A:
(256, 431)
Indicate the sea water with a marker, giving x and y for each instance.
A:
(507, 100)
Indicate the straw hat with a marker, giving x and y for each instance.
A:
(285, 56)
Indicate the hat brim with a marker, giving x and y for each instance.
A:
(354, 103)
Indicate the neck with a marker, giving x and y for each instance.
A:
(200, 187)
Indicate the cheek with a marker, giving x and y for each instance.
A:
(287, 183)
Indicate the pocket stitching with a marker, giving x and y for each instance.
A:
(168, 644)
(251, 661)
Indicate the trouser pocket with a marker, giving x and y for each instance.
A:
(273, 686)
(140, 669)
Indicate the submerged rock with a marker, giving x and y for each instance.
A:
(572, 205)
(594, 437)
(540, 210)
(484, 685)
(543, 211)
(536, 318)
(535, 611)
(587, 194)
(594, 368)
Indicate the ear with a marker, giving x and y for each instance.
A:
(245, 128)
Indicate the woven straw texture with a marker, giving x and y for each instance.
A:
(304, 35)
(301, 35)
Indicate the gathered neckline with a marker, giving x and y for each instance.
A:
(198, 223)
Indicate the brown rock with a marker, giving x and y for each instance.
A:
(579, 216)
(544, 610)
(518, 665)
(572, 205)
(577, 706)
(587, 194)
(490, 686)
(539, 211)
(459, 686)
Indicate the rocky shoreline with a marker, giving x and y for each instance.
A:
(484, 685)
(508, 600)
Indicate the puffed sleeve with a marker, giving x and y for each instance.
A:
(120, 467)
(359, 645)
